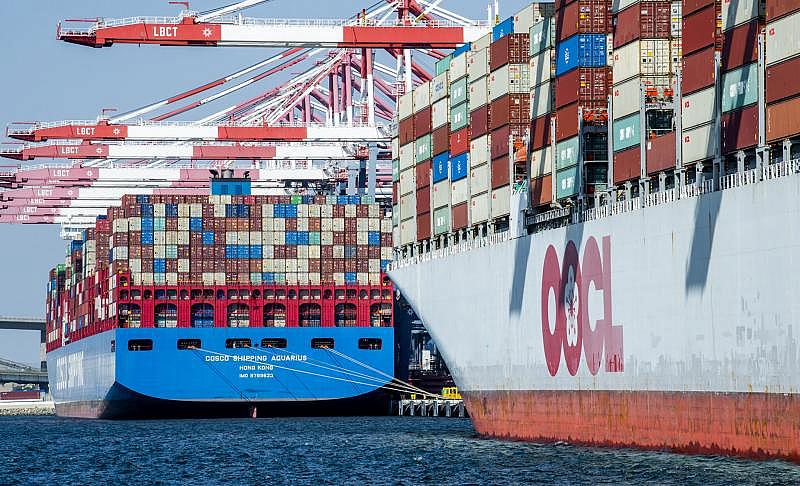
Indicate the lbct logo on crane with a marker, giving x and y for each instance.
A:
(570, 329)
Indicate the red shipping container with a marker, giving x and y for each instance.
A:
(441, 140)
(542, 191)
(500, 172)
(423, 200)
(740, 46)
(627, 165)
(405, 131)
(423, 226)
(479, 121)
(582, 84)
(583, 16)
(460, 216)
(782, 80)
(699, 30)
(778, 8)
(783, 119)
(739, 129)
(511, 48)
(689, 6)
(560, 4)
(698, 71)
(395, 193)
(423, 173)
(500, 137)
(661, 153)
(422, 122)
(540, 132)
(567, 122)
(644, 20)
(512, 109)
(459, 142)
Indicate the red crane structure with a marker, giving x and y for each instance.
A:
(313, 132)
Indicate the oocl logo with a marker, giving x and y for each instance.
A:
(569, 329)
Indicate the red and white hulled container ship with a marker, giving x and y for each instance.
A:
(636, 286)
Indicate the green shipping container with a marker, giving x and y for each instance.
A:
(395, 170)
(567, 153)
(441, 220)
(314, 238)
(396, 214)
(422, 149)
(740, 87)
(543, 36)
(567, 182)
(459, 117)
(297, 200)
(458, 92)
(626, 132)
(443, 64)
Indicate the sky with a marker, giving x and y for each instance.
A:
(43, 79)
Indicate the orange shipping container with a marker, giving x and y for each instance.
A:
(783, 119)
(542, 191)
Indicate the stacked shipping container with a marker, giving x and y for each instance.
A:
(581, 92)
(211, 244)
(783, 66)
(542, 73)
(646, 57)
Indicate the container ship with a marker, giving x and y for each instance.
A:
(225, 304)
(596, 217)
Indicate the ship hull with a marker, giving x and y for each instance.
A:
(668, 327)
(100, 377)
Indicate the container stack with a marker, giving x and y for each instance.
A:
(583, 79)
(741, 26)
(454, 191)
(542, 73)
(417, 179)
(698, 92)
(437, 172)
(783, 67)
(404, 214)
(509, 108)
(646, 57)
(479, 148)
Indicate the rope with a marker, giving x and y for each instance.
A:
(393, 379)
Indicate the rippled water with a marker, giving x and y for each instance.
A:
(381, 450)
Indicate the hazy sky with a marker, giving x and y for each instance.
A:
(44, 79)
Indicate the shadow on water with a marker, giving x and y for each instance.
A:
(705, 223)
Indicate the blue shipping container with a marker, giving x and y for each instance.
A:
(459, 167)
(462, 49)
(243, 252)
(581, 50)
(231, 251)
(159, 265)
(341, 200)
(374, 238)
(147, 238)
(171, 210)
(195, 224)
(503, 29)
(256, 251)
(147, 210)
(208, 237)
(268, 277)
(350, 277)
(441, 166)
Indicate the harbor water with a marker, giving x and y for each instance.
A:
(379, 450)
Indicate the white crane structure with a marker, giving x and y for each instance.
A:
(324, 128)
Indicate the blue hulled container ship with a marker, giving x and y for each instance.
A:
(224, 305)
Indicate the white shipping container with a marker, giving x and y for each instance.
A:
(501, 201)
(458, 68)
(511, 78)
(676, 19)
(440, 113)
(478, 93)
(698, 144)
(479, 150)
(408, 232)
(479, 208)
(441, 193)
(482, 43)
(407, 156)
(541, 67)
(676, 55)
(697, 108)
(783, 38)
(626, 97)
(405, 106)
(408, 206)
(542, 162)
(395, 156)
(407, 181)
(422, 96)
(525, 18)
(541, 100)
(477, 64)
(738, 12)
(479, 178)
(459, 191)
(651, 57)
(439, 87)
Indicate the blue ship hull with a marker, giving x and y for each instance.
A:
(105, 376)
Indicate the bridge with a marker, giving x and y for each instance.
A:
(11, 372)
